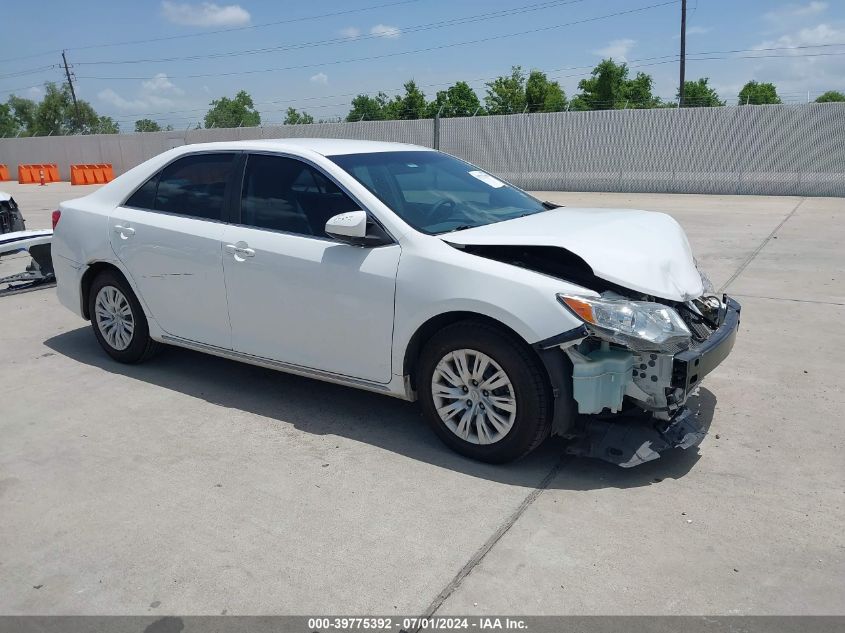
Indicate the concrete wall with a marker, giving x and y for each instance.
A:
(766, 150)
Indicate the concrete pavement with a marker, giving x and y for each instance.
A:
(195, 485)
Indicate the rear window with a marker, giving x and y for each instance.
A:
(193, 185)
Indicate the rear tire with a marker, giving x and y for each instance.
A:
(118, 319)
(484, 392)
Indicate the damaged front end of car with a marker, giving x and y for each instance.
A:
(635, 363)
(651, 325)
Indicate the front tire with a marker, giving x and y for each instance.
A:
(484, 392)
(118, 319)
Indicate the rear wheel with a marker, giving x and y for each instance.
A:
(118, 319)
(484, 392)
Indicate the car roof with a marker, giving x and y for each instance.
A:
(323, 146)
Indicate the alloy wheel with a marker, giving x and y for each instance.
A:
(114, 317)
(474, 397)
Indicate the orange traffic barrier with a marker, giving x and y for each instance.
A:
(47, 172)
(4, 172)
(91, 174)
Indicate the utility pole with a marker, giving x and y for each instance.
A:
(72, 91)
(683, 51)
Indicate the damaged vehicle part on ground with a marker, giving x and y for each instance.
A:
(39, 271)
(11, 219)
(408, 272)
(14, 238)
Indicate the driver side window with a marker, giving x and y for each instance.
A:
(288, 195)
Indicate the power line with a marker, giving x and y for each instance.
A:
(346, 40)
(218, 31)
(634, 64)
(28, 71)
(409, 52)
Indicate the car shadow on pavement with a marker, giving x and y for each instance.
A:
(322, 408)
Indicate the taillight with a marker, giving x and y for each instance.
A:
(57, 215)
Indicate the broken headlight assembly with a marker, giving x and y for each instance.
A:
(639, 325)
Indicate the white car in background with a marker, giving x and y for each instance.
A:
(408, 272)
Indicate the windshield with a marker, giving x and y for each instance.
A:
(437, 193)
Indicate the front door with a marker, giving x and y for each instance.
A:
(295, 295)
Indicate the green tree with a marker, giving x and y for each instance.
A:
(8, 124)
(107, 125)
(831, 96)
(294, 117)
(457, 100)
(698, 94)
(56, 114)
(53, 114)
(367, 108)
(543, 95)
(147, 125)
(605, 88)
(237, 112)
(411, 105)
(23, 112)
(755, 93)
(608, 87)
(506, 94)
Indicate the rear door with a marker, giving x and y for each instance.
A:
(168, 237)
(295, 295)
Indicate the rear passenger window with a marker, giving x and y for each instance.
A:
(145, 196)
(285, 194)
(195, 186)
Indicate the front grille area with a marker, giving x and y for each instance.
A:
(700, 329)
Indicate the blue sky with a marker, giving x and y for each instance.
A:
(311, 62)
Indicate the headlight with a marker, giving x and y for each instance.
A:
(653, 323)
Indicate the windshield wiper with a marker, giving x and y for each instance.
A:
(461, 227)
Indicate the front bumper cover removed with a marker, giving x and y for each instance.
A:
(629, 440)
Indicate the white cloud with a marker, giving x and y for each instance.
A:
(204, 14)
(154, 93)
(798, 71)
(160, 83)
(383, 30)
(617, 49)
(35, 93)
(350, 31)
(694, 30)
(121, 103)
(796, 11)
(320, 78)
(810, 36)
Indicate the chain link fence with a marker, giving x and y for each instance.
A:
(764, 150)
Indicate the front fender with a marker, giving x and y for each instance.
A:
(447, 280)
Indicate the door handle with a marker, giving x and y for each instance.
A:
(239, 250)
(125, 231)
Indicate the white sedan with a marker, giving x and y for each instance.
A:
(405, 271)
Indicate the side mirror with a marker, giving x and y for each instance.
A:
(345, 225)
(354, 227)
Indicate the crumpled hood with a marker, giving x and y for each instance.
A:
(641, 250)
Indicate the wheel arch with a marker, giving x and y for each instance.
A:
(429, 328)
(94, 269)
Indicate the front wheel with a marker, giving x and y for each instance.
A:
(484, 392)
